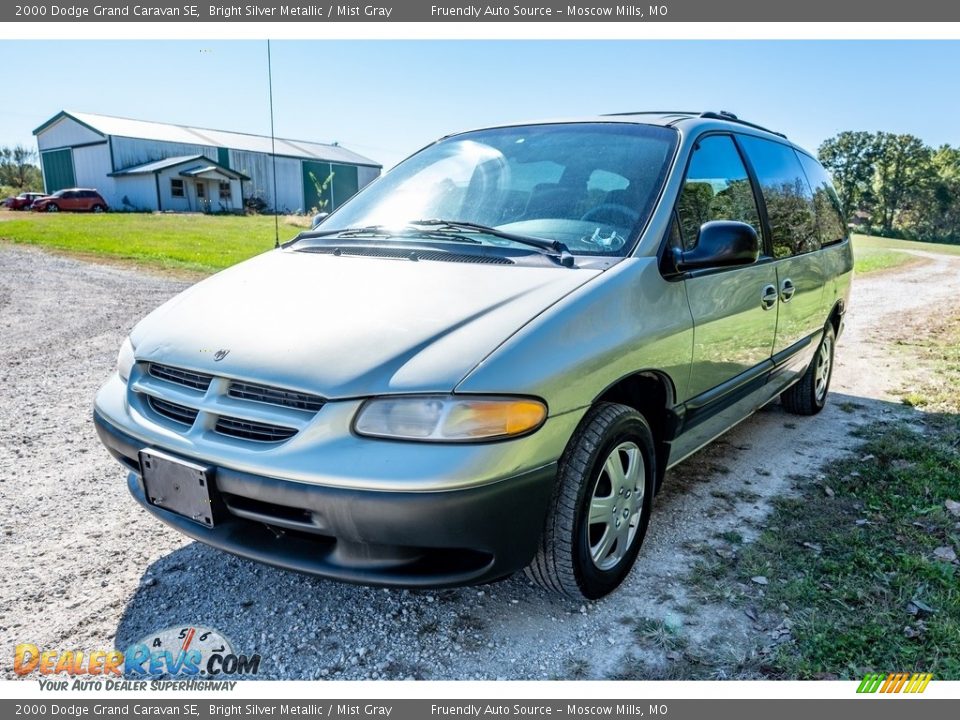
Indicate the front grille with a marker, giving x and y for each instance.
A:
(179, 376)
(250, 430)
(177, 413)
(275, 396)
(257, 423)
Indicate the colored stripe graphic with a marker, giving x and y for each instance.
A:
(919, 682)
(871, 682)
(895, 683)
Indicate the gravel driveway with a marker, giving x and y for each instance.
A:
(86, 568)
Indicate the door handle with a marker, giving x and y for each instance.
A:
(769, 297)
(787, 289)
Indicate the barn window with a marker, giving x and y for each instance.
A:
(176, 187)
(225, 193)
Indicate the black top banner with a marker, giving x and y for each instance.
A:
(427, 11)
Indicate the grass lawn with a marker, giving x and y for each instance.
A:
(876, 253)
(864, 556)
(204, 243)
(868, 260)
(879, 243)
(865, 560)
(207, 243)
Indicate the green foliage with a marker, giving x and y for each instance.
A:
(904, 172)
(9, 191)
(700, 202)
(18, 171)
(792, 222)
(850, 157)
(943, 197)
(856, 563)
(895, 185)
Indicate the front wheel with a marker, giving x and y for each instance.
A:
(601, 505)
(52, 207)
(809, 395)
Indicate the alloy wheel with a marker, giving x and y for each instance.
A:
(615, 505)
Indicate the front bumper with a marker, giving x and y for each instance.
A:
(400, 538)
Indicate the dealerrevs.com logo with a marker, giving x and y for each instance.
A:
(190, 652)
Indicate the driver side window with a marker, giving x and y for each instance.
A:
(717, 187)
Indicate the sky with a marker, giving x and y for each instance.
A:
(387, 99)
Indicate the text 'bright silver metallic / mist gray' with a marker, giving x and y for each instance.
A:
(488, 358)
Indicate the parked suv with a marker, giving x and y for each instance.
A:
(487, 359)
(75, 199)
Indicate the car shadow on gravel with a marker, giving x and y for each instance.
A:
(310, 628)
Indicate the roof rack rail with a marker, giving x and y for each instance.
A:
(729, 116)
(652, 112)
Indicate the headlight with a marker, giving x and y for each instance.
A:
(449, 418)
(125, 360)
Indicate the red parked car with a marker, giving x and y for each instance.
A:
(76, 199)
(23, 201)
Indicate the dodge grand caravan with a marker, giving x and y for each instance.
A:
(487, 359)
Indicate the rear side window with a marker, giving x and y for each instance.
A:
(789, 201)
(717, 187)
(833, 227)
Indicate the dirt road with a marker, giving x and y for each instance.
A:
(85, 567)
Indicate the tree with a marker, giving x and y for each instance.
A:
(18, 168)
(939, 216)
(850, 158)
(904, 174)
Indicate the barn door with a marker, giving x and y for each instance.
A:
(57, 170)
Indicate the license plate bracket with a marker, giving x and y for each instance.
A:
(180, 486)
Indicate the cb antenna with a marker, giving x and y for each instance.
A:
(273, 153)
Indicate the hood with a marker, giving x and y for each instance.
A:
(350, 326)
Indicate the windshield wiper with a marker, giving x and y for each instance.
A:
(446, 230)
(382, 231)
(554, 248)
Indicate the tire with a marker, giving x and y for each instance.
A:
(52, 207)
(809, 395)
(99, 208)
(581, 559)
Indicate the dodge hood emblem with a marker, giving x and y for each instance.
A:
(220, 355)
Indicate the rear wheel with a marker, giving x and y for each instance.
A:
(99, 208)
(601, 505)
(809, 395)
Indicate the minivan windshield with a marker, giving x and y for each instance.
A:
(589, 186)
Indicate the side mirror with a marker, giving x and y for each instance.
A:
(721, 243)
(318, 218)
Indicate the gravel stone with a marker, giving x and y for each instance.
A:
(69, 522)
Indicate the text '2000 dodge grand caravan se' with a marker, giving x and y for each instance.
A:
(488, 358)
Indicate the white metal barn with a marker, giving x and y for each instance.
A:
(142, 165)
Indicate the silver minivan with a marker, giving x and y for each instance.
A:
(487, 359)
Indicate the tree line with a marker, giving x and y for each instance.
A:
(18, 169)
(895, 185)
(890, 184)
